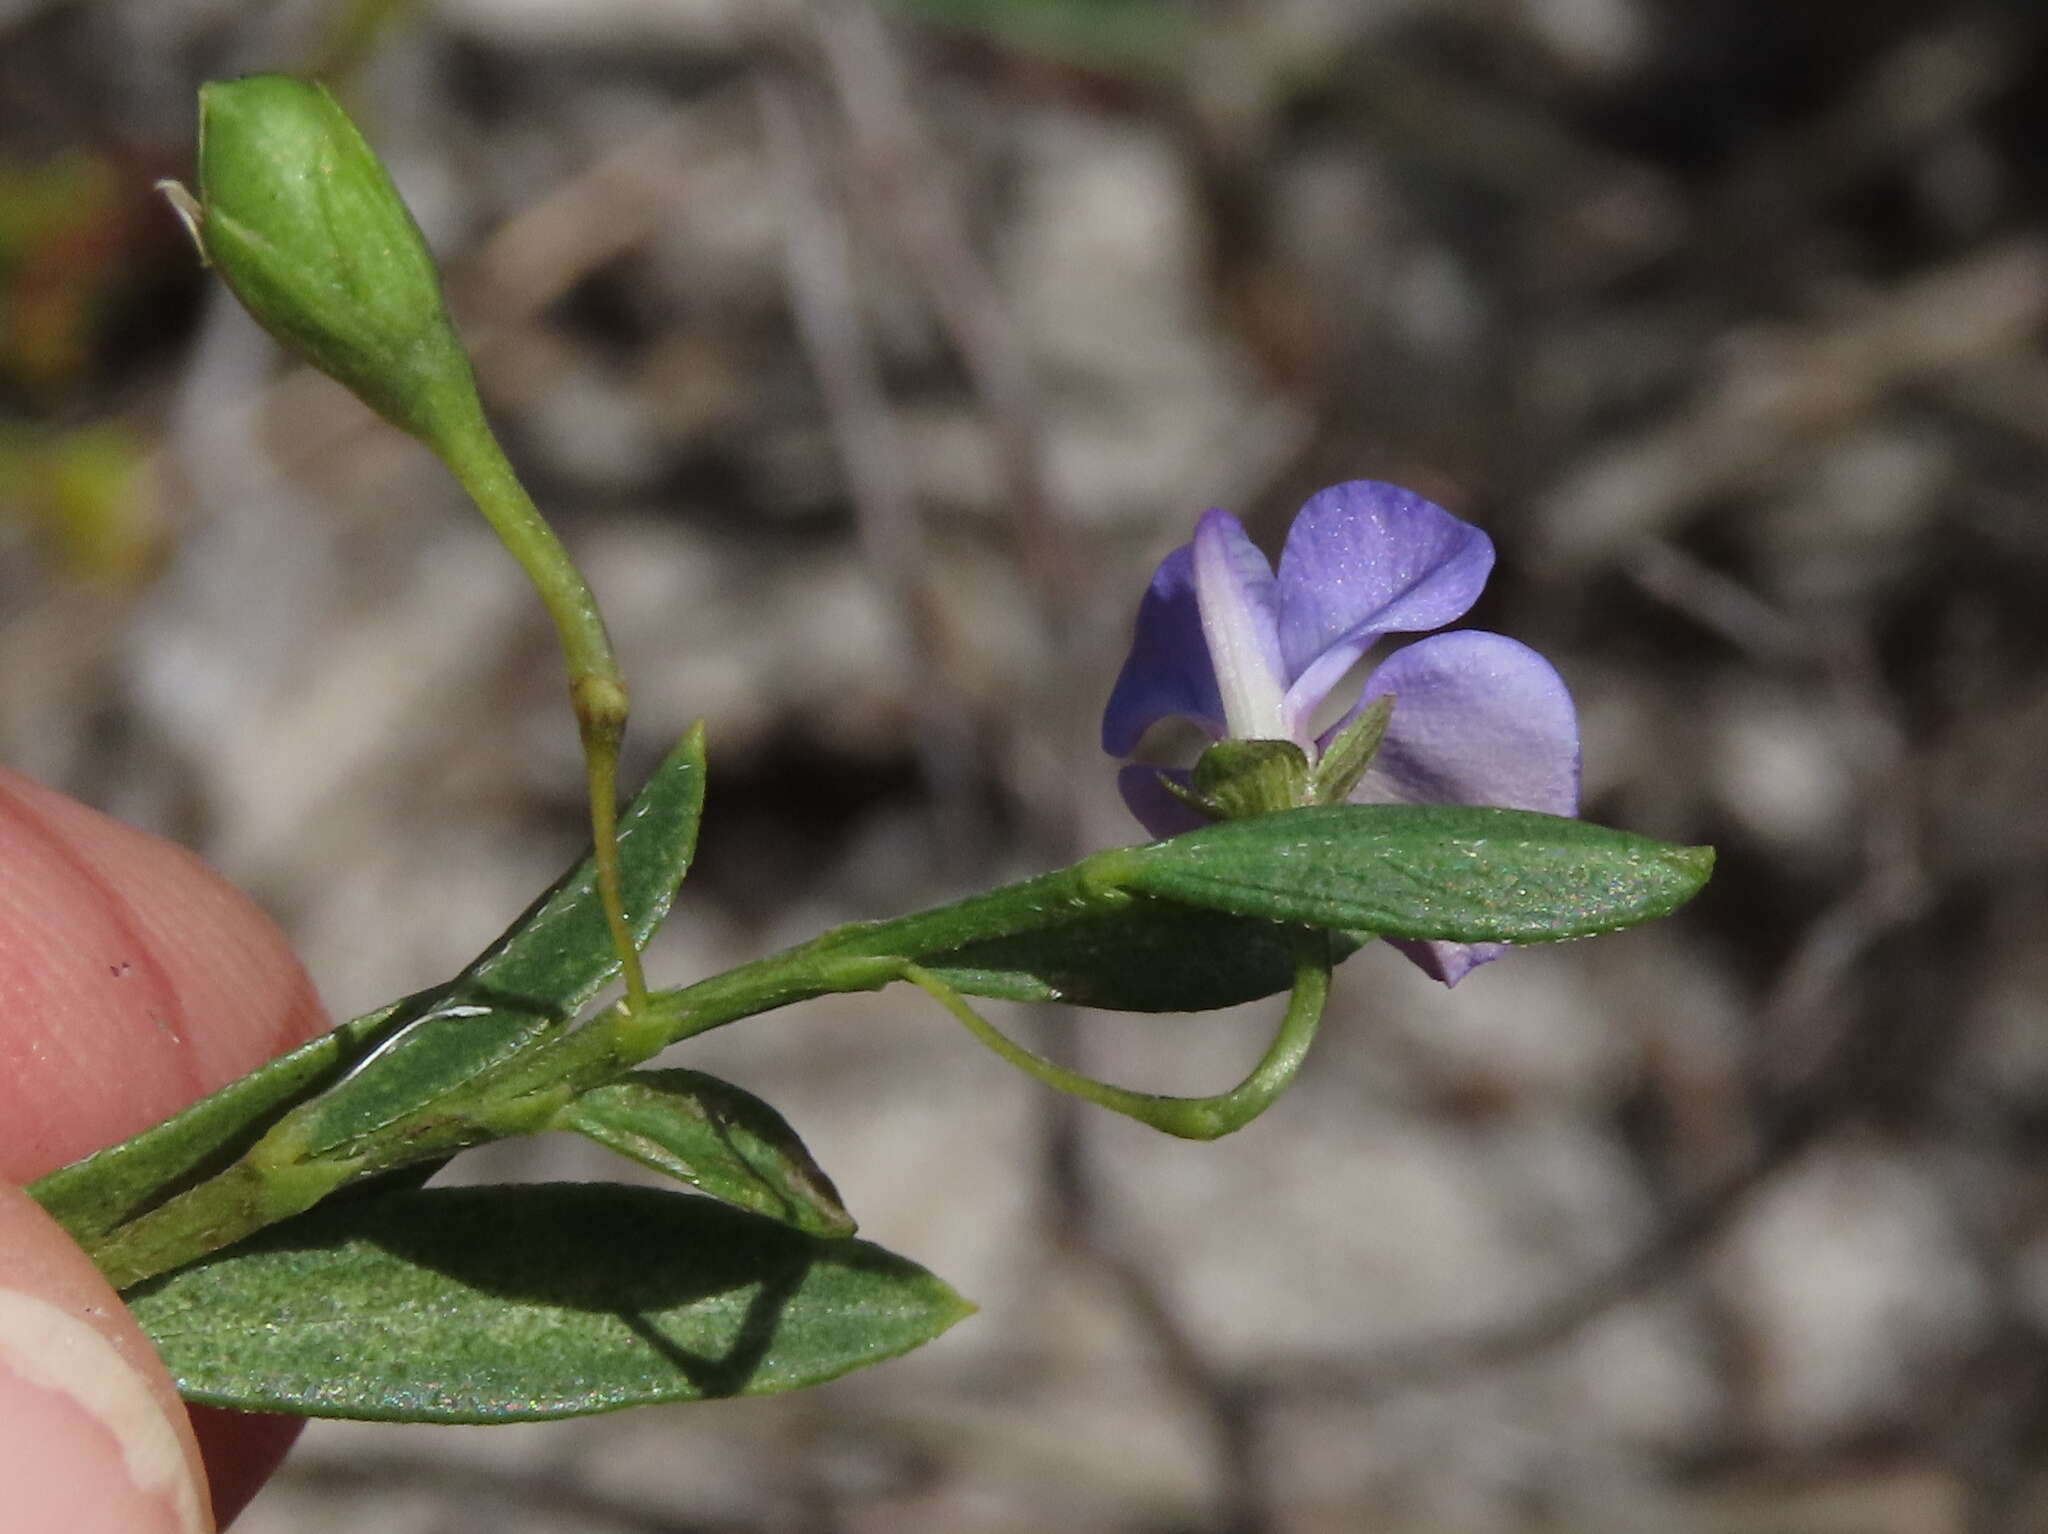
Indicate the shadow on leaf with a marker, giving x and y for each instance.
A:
(519, 1303)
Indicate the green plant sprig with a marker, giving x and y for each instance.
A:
(300, 219)
(505, 1304)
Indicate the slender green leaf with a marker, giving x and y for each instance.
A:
(1148, 956)
(1199, 921)
(1425, 871)
(547, 964)
(521, 1303)
(98, 1192)
(722, 1141)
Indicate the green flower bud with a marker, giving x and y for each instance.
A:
(300, 218)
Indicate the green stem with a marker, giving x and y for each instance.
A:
(219, 1212)
(860, 956)
(597, 689)
(283, 1175)
(279, 1177)
(1191, 1118)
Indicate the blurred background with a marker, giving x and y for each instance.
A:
(869, 358)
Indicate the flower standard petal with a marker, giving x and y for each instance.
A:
(1365, 559)
(1235, 591)
(1167, 672)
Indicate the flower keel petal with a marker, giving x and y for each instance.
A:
(1448, 962)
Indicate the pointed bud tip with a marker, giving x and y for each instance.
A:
(186, 206)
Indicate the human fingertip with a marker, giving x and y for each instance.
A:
(85, 1444)
(241, 1450)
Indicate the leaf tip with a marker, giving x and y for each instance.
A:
(957, 1308)
(1697, 863)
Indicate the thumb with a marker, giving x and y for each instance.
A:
(92, 1438)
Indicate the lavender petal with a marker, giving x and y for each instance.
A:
(1235, 590)
(1448, 962)
(1168, 670)
(1478, 719)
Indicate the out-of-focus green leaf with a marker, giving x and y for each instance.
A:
(1137, 37)
(82, 490)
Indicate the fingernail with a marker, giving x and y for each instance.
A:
(84, 1443)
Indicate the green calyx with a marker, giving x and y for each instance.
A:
(301, 220)
(1236, 778)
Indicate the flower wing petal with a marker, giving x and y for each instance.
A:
(1478, 719)
(1168, 670)
(1365, 559)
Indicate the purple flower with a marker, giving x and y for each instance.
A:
(1250, 655)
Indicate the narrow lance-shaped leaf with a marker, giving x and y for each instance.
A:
(1199, 921)
(547, 964)
(95, 1193)
(522, 1303)
(1424, 871)
(724, 1142)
